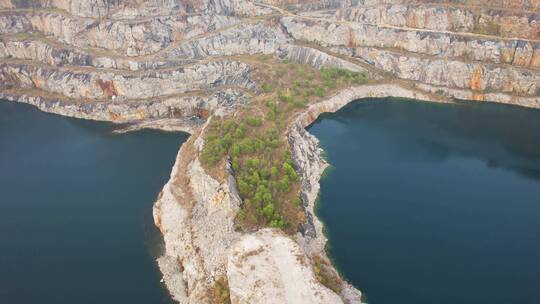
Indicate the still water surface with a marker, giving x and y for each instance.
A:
(75, 209)
(434, 203)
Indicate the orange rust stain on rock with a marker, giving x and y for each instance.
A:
(535, 60)
(476, 79)
(310, 117)
(426, 21)
(178, 36)
(507, 55)
(141, 114)
(36, 82)
(352, 38)
(202, 113)
(157, 222)
(107, 87)
(114, 116)
(411, 20)
(478, 96)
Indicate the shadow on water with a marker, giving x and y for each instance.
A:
(434, 203)
(76, 209)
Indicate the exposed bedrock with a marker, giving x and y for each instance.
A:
(432, 58)
(516, 5)
(451, 73)
(126, 37)
(304, 5)
(268, 267)
(447, 18)
(91, 84)
(246, 39)
(131, 9)
(444, 45)
(184, 111)
(319, 59)
(48, 52)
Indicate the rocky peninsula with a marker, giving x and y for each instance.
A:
(245, 78)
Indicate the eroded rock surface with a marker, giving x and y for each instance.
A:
(267, 267)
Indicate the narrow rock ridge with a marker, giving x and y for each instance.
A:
(195, 213)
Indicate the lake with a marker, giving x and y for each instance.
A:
(433, 203)
(76, 209)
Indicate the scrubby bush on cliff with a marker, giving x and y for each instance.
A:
(326, 275)
(222, 294)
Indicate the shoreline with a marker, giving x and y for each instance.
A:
(311, 165)
(190, 190)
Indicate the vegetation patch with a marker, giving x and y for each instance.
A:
(326, 275)
(222, 294)
(488, 27)
(254, 140)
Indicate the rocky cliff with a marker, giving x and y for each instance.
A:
(178, 64)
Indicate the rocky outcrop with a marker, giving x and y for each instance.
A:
(126, 37)
(514, 5)
(43, 50)
(184, 112)
(446, 18)
(443, 59)
(132, 9)
(268, 267)
(451, 73)
(443, 45)
(89, 84)
(246, 39)
(318, 59)
(303, 5)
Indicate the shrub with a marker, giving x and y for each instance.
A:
(253, 121)
(221, 291)
(319, 91)
(284, 184)
(326, 276)
(277, 223)
(267, 88)
(269, 210)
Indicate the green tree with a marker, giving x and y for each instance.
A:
(269, 210)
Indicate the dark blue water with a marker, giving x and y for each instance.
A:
(431, 203)
(75, 209)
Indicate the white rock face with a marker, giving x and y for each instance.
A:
(79, 84)
(268, 267)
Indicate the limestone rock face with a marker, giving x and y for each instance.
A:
(448, 18)
(444, 45)
(452, 73)
(246, 39)
(267, 267)
(92, 85)
(125, 37)
(431, 58)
